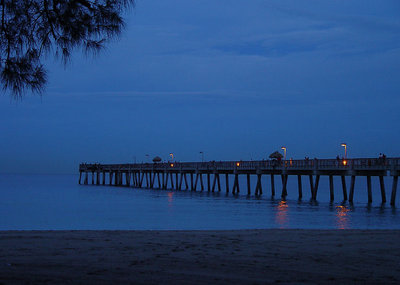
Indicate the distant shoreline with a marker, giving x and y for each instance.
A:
(200, 257)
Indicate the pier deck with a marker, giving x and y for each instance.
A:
(171, 175)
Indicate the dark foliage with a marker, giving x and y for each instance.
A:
(31, 29)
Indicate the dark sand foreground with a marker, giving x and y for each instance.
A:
(200, 257)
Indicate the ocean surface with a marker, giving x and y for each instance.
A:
(57, 202)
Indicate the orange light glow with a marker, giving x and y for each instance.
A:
(170, 197)
(172, 165)
(170, 201)
(281, 215)
(237, 163)
(344, 162)
(342, 217)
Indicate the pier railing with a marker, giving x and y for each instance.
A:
(320, 164)
(172, 174)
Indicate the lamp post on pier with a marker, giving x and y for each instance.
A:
(284, 152)
(202, 156)
(172, 156)
(345, 150)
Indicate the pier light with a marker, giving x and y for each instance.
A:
(345, 150)
(172, 165)
(172, 156)
(237, 164)
(344, 162)
(284, 152)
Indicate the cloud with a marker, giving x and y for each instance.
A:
(190, 74)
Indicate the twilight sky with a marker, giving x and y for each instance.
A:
(236, 79)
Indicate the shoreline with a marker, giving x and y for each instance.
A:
(260, 256)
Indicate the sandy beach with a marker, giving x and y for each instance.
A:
(200, 257)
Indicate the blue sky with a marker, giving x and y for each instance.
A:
(234, 79)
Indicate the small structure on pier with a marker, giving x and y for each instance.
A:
(157, 159)
(173, 175)
(276, 155)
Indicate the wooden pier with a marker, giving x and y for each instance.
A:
(206, 175)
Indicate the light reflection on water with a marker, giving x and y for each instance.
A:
(170, 197)
(282, 214)
(170, 201)
(57, 202)
(342, 217)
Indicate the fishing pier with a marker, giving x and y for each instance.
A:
(207, 175)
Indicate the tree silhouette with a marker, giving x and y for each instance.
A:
(32, 29)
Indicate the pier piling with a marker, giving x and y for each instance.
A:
(133, 175)
(382, 184)
(258, 190)
(227, 183)
(394, 189)
(300, 186)
(344, 187)
(331, 190)
(272, 185)
(284, 178)
(311, 185)
(352, 183)
(369, 189)
(248, 184)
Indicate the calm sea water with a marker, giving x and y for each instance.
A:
(56, 202)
